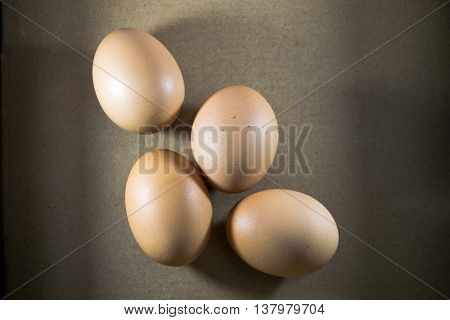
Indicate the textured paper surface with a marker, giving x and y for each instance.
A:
(378, 150)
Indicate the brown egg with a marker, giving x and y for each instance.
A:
(137, 81)
(234, 138)
(168, 208)
(283, 233)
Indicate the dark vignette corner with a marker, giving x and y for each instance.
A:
(2, 255)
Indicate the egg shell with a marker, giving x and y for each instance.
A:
(168, 208)
(234, 138)
(282, 232)
(137, 81)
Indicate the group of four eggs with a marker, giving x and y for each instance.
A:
(280, 232)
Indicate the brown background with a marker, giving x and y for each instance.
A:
(378, 150)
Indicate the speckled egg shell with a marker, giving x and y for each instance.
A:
(282, 233)
(234, 138)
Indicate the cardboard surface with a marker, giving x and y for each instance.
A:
(378, 149)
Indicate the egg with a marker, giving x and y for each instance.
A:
(137, 81)
(234, 138)
(168, 208)
(282, 232)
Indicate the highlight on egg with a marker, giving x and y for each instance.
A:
(168, 208)
(137, 81)
(234, 138)
(282, 232)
